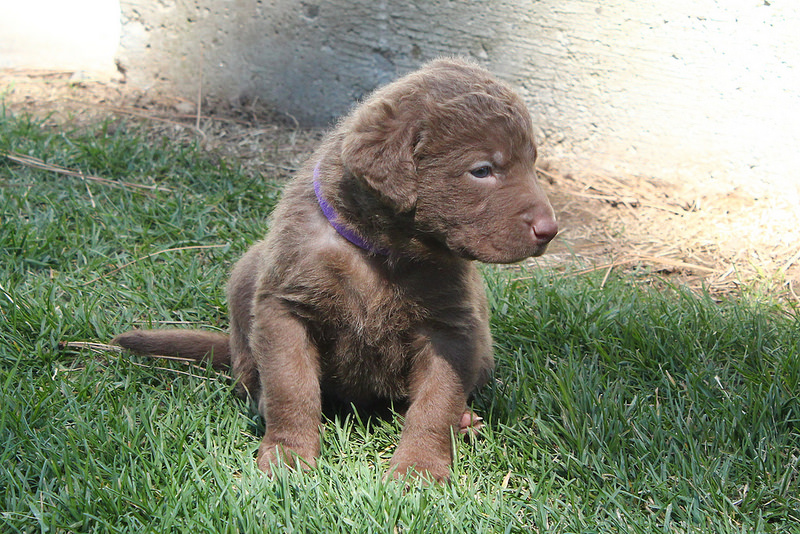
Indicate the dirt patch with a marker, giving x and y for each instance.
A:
(707, 233)
(714, 235)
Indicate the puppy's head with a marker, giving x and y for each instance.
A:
(454, 145)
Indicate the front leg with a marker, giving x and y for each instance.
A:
(440, 376)
(290, 398)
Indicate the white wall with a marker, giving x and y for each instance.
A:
(678, 89)
(59, 34)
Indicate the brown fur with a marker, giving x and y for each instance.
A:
(313, 315)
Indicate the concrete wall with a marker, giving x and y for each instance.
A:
(699, 88)
(679, 89)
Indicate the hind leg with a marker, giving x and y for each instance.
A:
(241, 288)
(243, 365)
(470, 424)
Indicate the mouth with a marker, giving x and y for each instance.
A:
(501, 255)
(540, 243)
(539, 250)
(504, 245)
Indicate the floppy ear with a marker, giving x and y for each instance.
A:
(379, 148)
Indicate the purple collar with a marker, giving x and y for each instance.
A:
(332, 217)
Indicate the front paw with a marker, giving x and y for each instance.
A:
(420, 464)
(271, 453)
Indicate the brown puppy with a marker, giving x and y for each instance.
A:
(364, 288)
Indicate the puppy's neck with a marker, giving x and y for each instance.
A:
(359, 210)
(333, 219)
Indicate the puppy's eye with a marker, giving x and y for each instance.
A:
(481, 172)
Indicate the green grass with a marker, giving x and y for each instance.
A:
(617, 407)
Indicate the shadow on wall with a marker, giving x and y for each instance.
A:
(62, 35)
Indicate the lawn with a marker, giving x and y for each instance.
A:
(617, 406)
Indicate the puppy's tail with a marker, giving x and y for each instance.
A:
(195, 345)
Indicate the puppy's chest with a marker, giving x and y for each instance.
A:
(372, 319)
(369, 327)
(366, 342)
